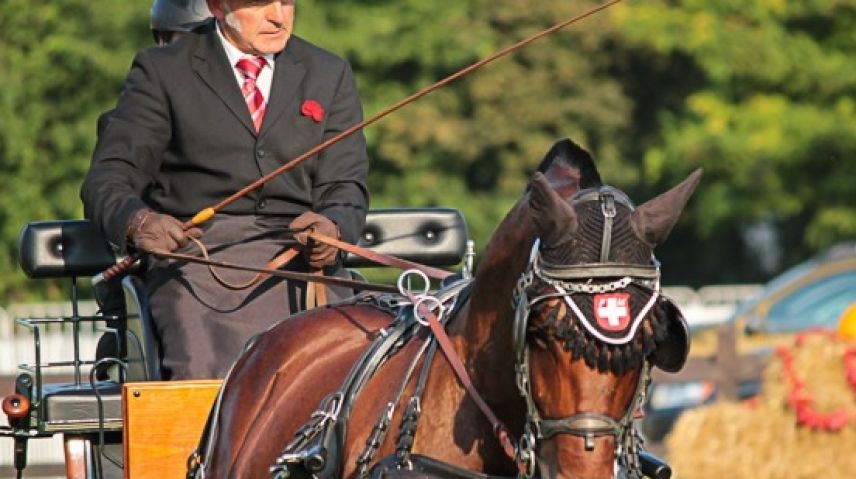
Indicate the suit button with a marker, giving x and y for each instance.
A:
(260, 153)
(261, 204)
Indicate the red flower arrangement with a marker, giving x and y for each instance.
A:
(312, 109)
(801, 400)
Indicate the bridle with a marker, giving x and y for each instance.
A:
(563, 281)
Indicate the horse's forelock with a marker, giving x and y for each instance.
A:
(569, 153)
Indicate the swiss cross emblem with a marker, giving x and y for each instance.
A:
(612, 311)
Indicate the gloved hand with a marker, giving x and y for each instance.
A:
(156, 232)
(318, 254)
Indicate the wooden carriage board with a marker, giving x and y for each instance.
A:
(163, 423)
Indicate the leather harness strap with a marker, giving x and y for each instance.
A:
(448, 349)
(316, 292)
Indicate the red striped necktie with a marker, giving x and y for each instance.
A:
(250, 67)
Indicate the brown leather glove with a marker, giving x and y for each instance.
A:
(318, 254)
(156, 232)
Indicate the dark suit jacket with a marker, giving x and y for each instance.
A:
(181, 139)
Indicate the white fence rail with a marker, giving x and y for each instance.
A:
(710, 305)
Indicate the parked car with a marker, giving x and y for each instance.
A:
(812, 294)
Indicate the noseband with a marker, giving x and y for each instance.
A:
(563, 281)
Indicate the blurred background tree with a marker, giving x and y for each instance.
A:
(761, 94)
(758, 92)
(62, 63)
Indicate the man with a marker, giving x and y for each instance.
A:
(200, 119)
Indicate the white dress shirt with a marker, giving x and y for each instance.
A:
(265, 76)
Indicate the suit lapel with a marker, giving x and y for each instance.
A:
(287, 80)
(212, 66)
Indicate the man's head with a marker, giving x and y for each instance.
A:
(172, 18)
(257, 27)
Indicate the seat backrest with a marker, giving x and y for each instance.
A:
(63, 248)
(432, 236)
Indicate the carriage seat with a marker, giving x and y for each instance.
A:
(74, 248)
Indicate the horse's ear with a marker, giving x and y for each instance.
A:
(554, 218)
(653, 220)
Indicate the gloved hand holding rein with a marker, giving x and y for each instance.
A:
(156, 232)
(318, 254)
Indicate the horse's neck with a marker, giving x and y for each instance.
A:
(504, 259)
(482, 339)
(486, 333)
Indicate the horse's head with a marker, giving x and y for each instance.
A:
(590, 320)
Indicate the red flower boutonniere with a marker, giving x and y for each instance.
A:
(312, 109)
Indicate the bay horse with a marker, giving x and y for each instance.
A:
(565, 382)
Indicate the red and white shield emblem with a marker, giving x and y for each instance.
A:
(612, 311)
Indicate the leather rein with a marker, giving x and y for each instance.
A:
(270, 269)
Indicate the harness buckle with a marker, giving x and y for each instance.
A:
(525, 455)
(607, 205)
(589, 442)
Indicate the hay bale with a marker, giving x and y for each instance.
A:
(761, 439)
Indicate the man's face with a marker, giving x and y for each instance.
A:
(257, 27)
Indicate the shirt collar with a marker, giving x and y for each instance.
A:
(233, 54)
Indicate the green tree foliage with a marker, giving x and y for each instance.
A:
(61, 64)
(473, 144)
(758, 92)
(767, 107)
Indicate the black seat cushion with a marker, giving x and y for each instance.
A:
(64, 248)
(70, 407)
(432, 236)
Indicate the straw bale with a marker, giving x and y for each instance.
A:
(761, 439)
